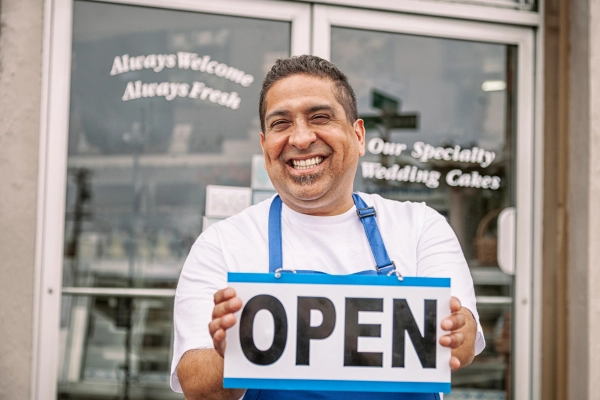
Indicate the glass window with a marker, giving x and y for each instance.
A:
(116, 347)
(163, 104)
(440, 129)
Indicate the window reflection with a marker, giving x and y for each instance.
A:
(116, 347)
(439, 115)
(163, 104)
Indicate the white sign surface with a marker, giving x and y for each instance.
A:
(326, 332)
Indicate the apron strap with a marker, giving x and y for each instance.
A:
(275, 246)
(367, 217)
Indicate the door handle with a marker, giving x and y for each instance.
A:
(507, 221)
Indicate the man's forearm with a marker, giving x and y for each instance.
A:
(200, 373)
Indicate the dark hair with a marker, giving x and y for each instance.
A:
(312, 66)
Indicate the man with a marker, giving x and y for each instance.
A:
(312, 140)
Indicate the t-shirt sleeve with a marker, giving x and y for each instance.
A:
(439, 255)
(204, 272)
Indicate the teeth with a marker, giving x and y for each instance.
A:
(310, 163)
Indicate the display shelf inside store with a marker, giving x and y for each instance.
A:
(113, 278)
(94, 161)
(475, 394)
(154, 354)
(488, 275)
(493, 300)
(484, 371)
(99, 388)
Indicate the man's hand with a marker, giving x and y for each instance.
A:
(200, 371)
(461, 338)
(226, 304)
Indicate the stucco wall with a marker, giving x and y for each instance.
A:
(20, 83)
(584, 201)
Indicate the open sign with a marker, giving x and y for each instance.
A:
(326, 332)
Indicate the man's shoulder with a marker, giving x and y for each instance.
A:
(394, 213)
(396, 206)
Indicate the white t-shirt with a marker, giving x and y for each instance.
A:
(417, 238)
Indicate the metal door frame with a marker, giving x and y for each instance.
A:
(53, 158)
(528, 144)
(54, 134)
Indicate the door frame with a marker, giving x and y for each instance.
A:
(527, 151)
(52, 170)
(54, 134)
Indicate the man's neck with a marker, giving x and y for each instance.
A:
(319, 208)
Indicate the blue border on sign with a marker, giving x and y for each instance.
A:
(347, 386)
(326, 279)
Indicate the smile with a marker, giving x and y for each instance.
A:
(305, 164)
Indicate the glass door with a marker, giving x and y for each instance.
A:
(162, 117)
(448, 110)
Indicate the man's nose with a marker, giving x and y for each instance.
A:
(302, 136)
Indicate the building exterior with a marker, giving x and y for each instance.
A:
(127, 127)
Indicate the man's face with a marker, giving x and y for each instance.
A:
(311, 149)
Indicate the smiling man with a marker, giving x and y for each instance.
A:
(311, 148)
(312, 140)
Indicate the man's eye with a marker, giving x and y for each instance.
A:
(279, 124)
(320, 118)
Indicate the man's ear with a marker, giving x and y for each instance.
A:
(262, 146)
(359, 131)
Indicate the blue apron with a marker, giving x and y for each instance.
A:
(384, 267)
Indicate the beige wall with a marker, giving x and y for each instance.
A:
(20, 83)
(584, 201)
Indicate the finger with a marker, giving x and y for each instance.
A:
(227, 307)
(220, 348)
(453, 322)
(454, 363)
(219, 342)
(214, 326)
(453, 340)
(455, 305)
(219, 336)
(223, 323)
(224, 295)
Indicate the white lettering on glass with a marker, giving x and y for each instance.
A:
(171, 90)
(408, 173)
(378, 146)
(457, 178)
(182, 60)
(425, 152)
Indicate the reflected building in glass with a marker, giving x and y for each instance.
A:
(163, 123)
(163, 104)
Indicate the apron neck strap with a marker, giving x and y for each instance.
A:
(275, 246)
(365, 213)
(367, 217)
